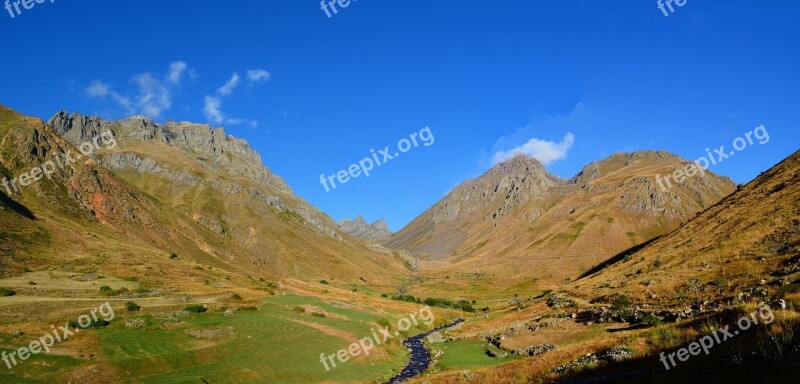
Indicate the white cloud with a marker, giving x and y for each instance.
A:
(544, 151)
(97, 89)
(214, 114)
(176, 69)
(230, 85)
(213, 104)
(212, 110)
(154, 97)
(258, 75)
(153, 94)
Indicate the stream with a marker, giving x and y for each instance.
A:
(420, 355)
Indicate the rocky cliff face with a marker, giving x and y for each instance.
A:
(209, 145)
(377, 231)
(501, 190)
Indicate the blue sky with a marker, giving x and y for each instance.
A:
(485, 77)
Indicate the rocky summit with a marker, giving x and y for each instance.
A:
(377, 231)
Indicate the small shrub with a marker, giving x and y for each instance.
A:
(106, 290)
(651, 320)
(6, 292)
(622, 302)
(657, 263)
(384, 295)
(318, 314)
(236, 297)
(173, 256)
(99, 323)
(719, 282)
(299, 309)
(131, 306)
(323, 282)
(196, 309)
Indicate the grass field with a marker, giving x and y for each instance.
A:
(463, 354)
(275, 343)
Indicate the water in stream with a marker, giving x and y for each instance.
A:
(420, 355)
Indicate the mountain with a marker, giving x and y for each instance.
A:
(377, 231)
(517, 219)
(738, 247)
(176, 188)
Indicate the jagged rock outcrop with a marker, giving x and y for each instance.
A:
(377, 231)
(209, 145)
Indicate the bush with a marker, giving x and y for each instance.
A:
(299, 309)
(323, 282)
(99, 323)
(384, 295)
(720, 281)
(620, 303)
(318, 314)
(651, 320)
(131, 306)
(173, 256)
(106, 290)
(657, 263)
(196, 309)
(7, 292)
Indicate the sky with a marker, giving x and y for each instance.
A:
(566, 81)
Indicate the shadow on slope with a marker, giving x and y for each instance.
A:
(16, 207)
(619, 257)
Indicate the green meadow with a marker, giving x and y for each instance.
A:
(273, 344)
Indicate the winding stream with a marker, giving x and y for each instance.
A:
(420, 355)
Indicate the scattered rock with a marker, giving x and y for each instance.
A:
(534, 350)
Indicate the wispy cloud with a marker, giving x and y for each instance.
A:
(230, 85)
(153, 93)
(544, 151)
(176, 70)
(97, 89)
(213, 103)
(258, 75)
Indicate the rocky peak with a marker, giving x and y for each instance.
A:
(503, 188)
(202, 142)
(377, 231)
(595, 170)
